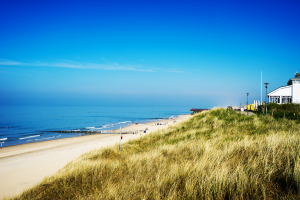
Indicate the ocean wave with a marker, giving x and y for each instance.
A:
(29, 137)
(90, 127)
(43, 138)
(2, 139)
(107, 126)
(124, 122)
(72, 130)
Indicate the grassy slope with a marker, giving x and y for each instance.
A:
(214, 155)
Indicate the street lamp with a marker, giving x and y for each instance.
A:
(247, 103)
(266, 96)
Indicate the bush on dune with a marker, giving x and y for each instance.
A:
(279, 111)
(216, 154)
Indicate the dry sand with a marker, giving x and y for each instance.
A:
(22, 166)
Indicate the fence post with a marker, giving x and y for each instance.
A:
(120, 139)
(272, 112)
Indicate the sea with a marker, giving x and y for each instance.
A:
(27, 124)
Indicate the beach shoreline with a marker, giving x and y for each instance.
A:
(152, 126)
(22, 166)
(149, 127)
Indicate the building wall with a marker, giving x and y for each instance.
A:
(296, 93)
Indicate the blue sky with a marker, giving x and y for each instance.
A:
(145, 53)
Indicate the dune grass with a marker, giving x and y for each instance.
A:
(216, 154)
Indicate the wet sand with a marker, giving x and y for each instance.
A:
(22, 166)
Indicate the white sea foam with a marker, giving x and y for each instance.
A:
(2, 139)
(93, 128)
(113, 125)
(29, 137)
(43, 138)
(90, 127)
(72, 130)
(107, 125)
(125, 122)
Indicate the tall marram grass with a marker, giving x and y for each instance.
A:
(217, 154)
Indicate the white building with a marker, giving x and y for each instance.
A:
(287, 94)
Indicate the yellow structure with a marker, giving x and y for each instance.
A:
(251, 107)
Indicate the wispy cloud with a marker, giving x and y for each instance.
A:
(76, 65)
(175, 71)
(9, 62)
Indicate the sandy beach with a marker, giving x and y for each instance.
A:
(22, 166)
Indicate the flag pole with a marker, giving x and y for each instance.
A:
(260, 87)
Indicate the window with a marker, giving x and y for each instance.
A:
(286, 99)
(275, 99)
